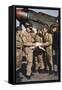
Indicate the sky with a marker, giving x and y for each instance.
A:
(49, 12)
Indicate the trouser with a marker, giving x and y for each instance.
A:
(55, 59)
(18, 57)
(39, 64)
(29, 58)
(48, 61)
(18, 63)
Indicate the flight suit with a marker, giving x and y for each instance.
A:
(39, 64)
(48, 39)
(28, 39)
(19, 45)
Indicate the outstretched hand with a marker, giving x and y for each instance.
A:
(38, 44)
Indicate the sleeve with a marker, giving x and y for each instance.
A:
(33, 37)
(24, 39)
(50, 39)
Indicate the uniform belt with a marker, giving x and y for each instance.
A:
(27, 46)
(18, 47)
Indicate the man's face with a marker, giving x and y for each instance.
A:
(45, 30)
(54, 29)
(39, 31)
(28, 29)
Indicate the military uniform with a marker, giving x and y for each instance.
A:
(48, 39)
(19, 45)
(27, 43)
(39, 64)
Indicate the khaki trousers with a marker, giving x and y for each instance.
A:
(29, 57)
(39, 62)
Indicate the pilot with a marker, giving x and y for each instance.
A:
(19, 45)
(27, 44)
(38, 52)
(47, 38)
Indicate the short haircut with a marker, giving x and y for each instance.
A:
(46, 26)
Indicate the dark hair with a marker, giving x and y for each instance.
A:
(53, 26)
(28, 24)
(46, 26)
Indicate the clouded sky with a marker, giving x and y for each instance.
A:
(49, 12)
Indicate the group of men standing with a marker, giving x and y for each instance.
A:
(37, 48)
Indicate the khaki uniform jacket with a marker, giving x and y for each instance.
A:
(27, 41)
(38, 38)
(48, 38)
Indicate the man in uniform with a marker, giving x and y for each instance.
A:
(47, 37)
(38, 52)
(56, 41)
(27, 47)
(19, 45)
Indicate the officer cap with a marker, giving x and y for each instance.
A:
(28, 24)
